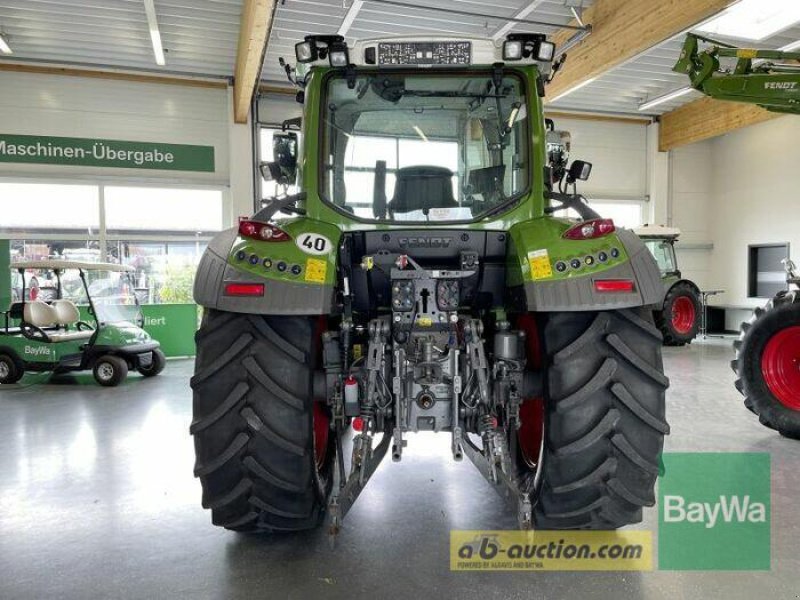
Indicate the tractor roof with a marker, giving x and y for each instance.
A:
(61, 265)
(657, 231)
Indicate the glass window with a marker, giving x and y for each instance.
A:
(453, 146)
(49, 207)
(164, 271)
(625, 213)
(148, 209)
(664, 253)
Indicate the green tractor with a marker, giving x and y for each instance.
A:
(420, 281)
(679, 316)
(768, 349)
(41, 336)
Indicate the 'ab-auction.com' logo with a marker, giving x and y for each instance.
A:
(714, 512)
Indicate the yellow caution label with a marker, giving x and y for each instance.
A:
(539, 261)
(358, 351)
(425, 322)
(316, 270)
(746, 53)
(551, 550)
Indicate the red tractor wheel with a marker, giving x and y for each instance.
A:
(767, 364)
(679, 319)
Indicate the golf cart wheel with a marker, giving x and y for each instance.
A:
(262, 443)
(767, 364)
(11, 369)
(157, 364)
(110, 370)
(680, 318)
(604, 419)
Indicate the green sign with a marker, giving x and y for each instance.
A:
(714, 511)
(173, 325)
(92, 152)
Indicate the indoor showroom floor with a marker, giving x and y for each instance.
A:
(97, 500)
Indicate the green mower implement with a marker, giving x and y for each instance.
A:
(767, 78)
(40, 336)
(423, 280)
(679, 316)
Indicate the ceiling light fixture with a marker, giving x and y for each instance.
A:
(754, 19)
(155, 34)
(4, 47)
(665, 98)
(573, 89)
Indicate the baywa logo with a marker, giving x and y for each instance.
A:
(714, 512)
(728, 509)
(36, 351)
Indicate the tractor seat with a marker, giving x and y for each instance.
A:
(422, 188)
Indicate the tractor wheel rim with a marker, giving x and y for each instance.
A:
(780, 366)
(683, 314)
(531, 431)
(105, 371)
(4, 370)
(321, 424)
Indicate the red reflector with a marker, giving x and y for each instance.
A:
(358, 424)
(244, 289)
(613, 285)
(589, 230)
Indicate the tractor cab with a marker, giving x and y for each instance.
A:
(105, 335)
(660, 240)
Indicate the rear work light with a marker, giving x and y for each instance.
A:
(613, 285)
(244, 289)
(263, 232)
(589, 230)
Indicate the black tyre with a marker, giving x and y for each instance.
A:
(679, 320)
(604, 420)
(766, 364)
(110, 370)
(157, 364)
(11, 368)
(264, 456)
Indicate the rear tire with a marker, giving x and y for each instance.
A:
(11, 369)
(110, 370)
(155, 367)
(604, 419)
(679, 320)
(768, 381)
(253, 426)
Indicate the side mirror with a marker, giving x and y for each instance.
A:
(579, 170)
(282, 170)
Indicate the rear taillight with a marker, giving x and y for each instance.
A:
(590, 229)
(613, 285)
(263, 232)
(244, 289)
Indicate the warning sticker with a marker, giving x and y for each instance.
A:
(316, 270)
(539, 261)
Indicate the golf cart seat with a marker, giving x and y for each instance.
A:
(67, 314)
(44, 316)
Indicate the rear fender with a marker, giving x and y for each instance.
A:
(298, 276)
(539, 282)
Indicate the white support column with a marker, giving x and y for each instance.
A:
(658, 179)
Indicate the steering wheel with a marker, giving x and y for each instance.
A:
(83, 326)
(33, 332)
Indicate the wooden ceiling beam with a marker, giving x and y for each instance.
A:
(623, 29)
(707, 118)
(253, 37)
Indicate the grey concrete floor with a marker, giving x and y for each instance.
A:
(97, 500)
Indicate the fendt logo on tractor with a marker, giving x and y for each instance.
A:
(429, 166)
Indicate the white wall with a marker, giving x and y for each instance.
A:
(618, 153)
(33, 104)
(756, 199)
